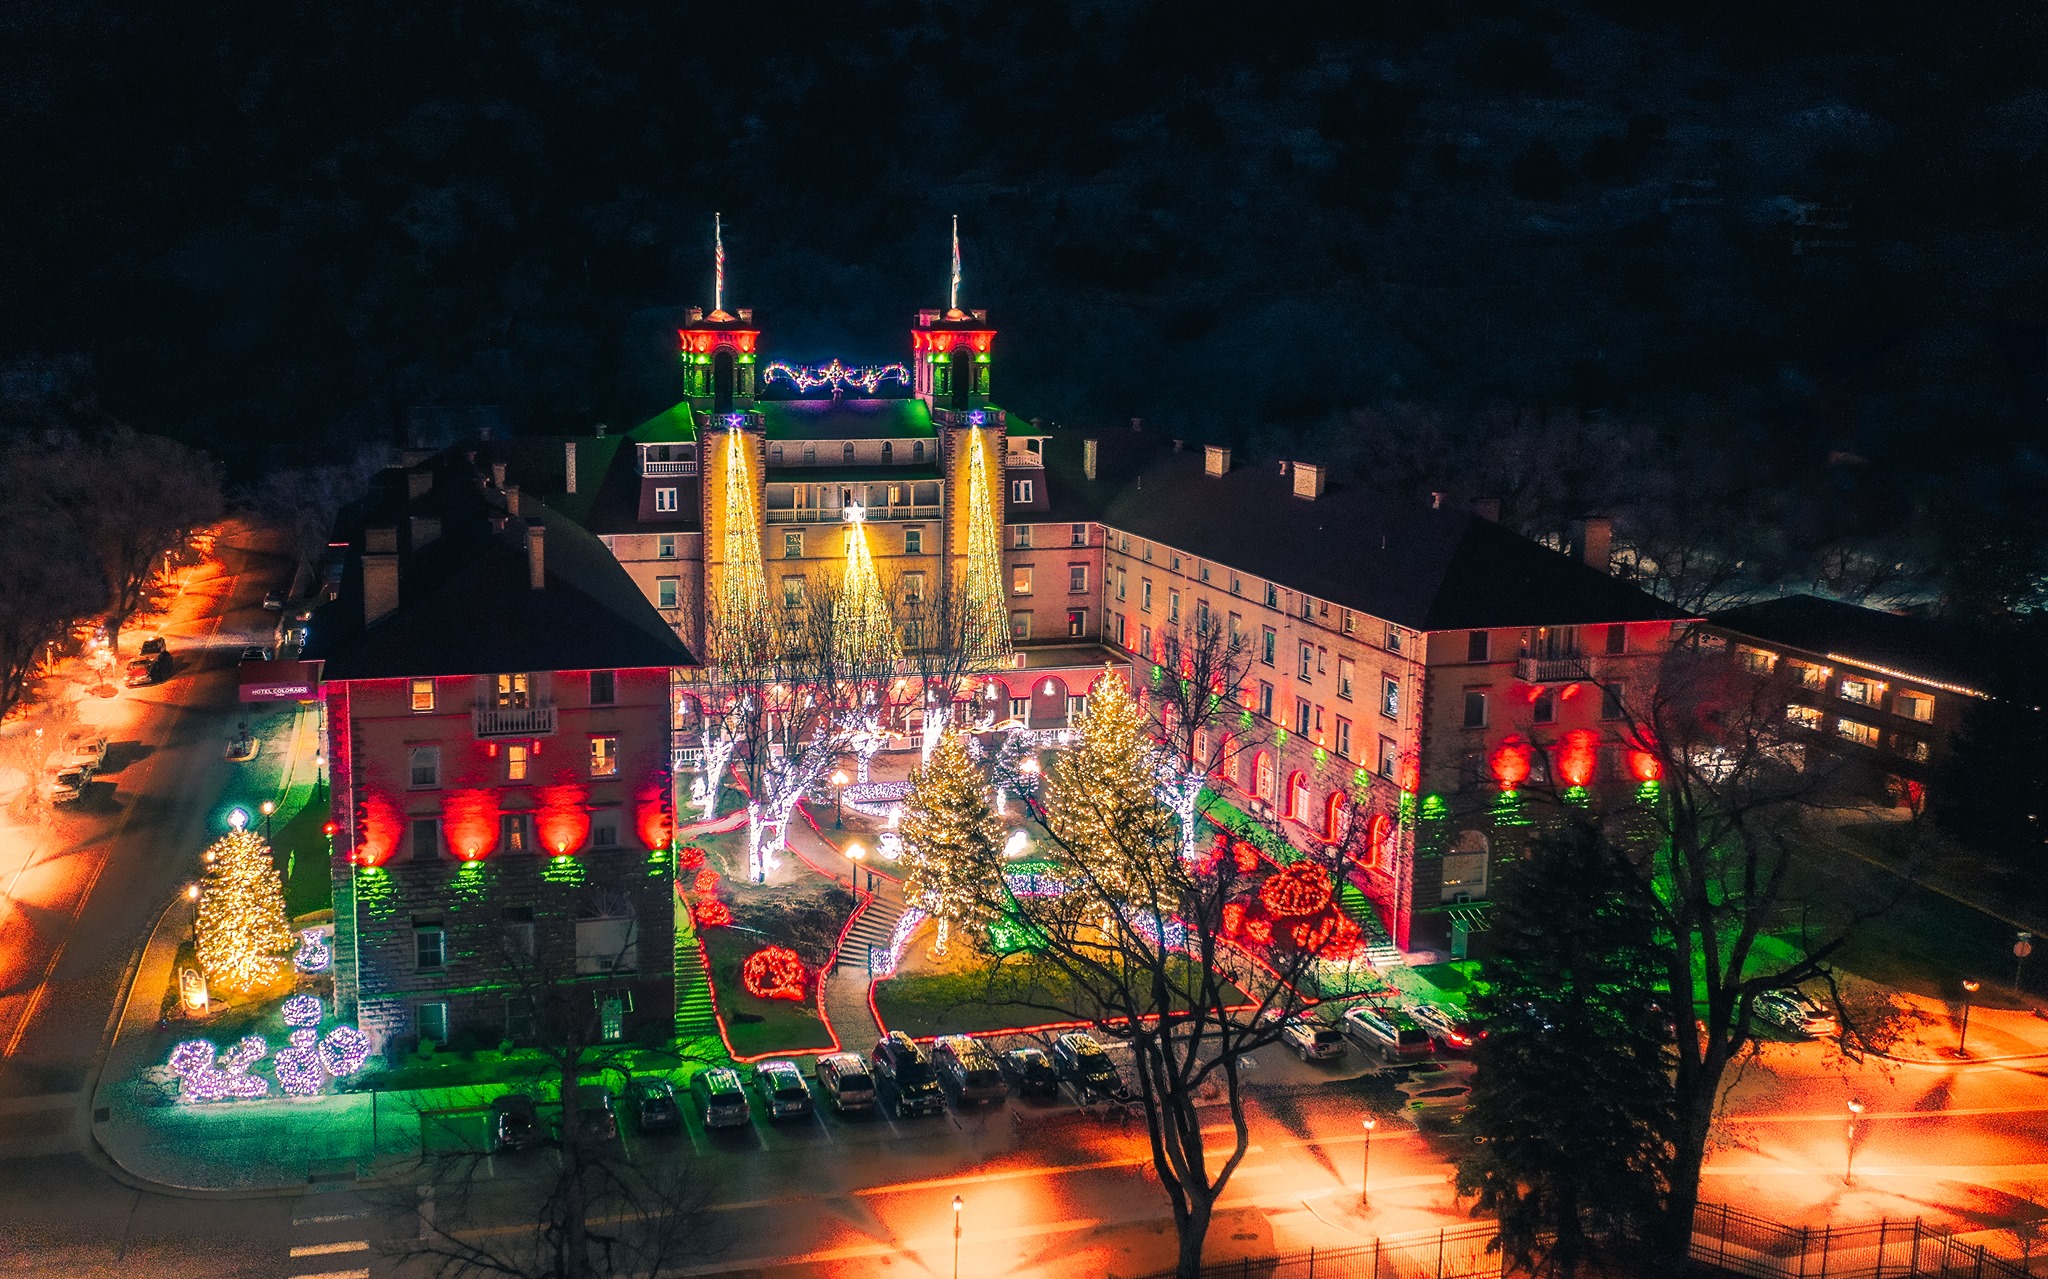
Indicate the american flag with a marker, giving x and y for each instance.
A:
(955, 303)
(718, 259)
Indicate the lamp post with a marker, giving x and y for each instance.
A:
(1365, 1173)
(1963, 1036)
(838, 793)
(956, 1236)
(319, 776)
(268, 808)
(858, 855)
(1849, 1164)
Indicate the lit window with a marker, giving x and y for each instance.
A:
(604, 757)
(515, 763)
(1862, 691)
(1077, 579)
(913, 588)
(665, 546)
(1861, 734)
(1810, 675)
(664, 499)
(1020, 580)
(1390, 698)
(1910, 747)
(1914, 706)
(423, 696)
(425, 762)
(515, 833)
(792, 544)
(1806, 717)
(668, 592)
(1077, 622)
(1262, 776)
(515, 691)
(792, 592)
(1755, 660)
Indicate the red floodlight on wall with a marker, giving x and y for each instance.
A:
(1511, 763)
(1578, 757)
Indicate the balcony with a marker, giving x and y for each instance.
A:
(668, 468)
(489, 720)
(836, 515)
(1553, 670)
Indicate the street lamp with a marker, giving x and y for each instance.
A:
(857, 855)
(839, 780)
(956, 1236)
(268, 808)
(1963, 1036)
(1849, 1164)
(1365, 1173)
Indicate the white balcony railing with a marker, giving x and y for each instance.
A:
(1553, 670)
(668, 468)
(489, 720)
(835, 515)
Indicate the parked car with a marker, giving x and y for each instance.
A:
(149, 668)
(652, 1103)
(514, 1122)
(780, 1086)
(1082, 1063)
(1030, 1071)
(968, 1072)
(66, 784)
(1387, 1032)
(902, 1062)
(597, 1116)
(844, 1078)
(1312, 1039)
(719, 1098)
(1452, 1033)
(274, 601)
(1798, 1012)
(156, 644)
(83, 748)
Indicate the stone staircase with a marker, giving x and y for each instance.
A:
(874, 928)
(1380, 950)
(695, 1013)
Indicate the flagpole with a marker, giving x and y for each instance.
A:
(718, 261)
(954, 304)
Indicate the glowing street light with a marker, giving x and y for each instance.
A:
(839, 780)
(1963, 1036)
(1849, 1165)
(956, 1236)
(268, 808)
(1365, 1173)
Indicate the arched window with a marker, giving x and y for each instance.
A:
(721, 380)
(1262, 775)
(962, 379)
(846, 452)
(1297, 795)
(1336, 817)
(1379, 841)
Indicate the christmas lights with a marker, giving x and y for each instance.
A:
(742, 631)
(1578, 755)
(899, 939)
(711, 914)
(773, 972)
(689, 857)
(210, 1077)
(1233, 918)
(836, 375)
(705, 881)
(985, 619)
(1511, 763)
(301, 1010)
(299, 1071)
(313, 954)
(242, 925)
(863, 631)
(1301, 889)
(343, 1051)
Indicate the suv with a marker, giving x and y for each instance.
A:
(652, 1103)
(1452, 1033)
(515, 1122)
(780, 1086)
(66, 783)
(597, 1120)
(1082, 1063)
(1031, 1071)
(150, 667)
(1311, 1039)
(845, 1079)
(968, 1072)
(1795, 1011)
(1389, 1033)
(720, 1098)
(901, 1061)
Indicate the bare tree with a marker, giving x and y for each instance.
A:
(304, 500)
(939, 651)
(48, 582)
(1194, 693)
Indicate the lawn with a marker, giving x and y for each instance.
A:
(969, 993)
(304, 859)
(757, 1026)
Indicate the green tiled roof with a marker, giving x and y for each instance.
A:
(673, 426)
(846, 419)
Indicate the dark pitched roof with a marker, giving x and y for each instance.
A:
(845, 419)
(465, 603)
(1420, 568)
(1912, 646)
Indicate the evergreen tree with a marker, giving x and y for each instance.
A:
(952, 838)
(1573, 1098)
(1101, 804)
(243, 930)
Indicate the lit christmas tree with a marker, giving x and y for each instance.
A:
(243, 931)
(1102, 806)
(952, 838)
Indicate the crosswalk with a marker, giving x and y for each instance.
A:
(330, 1241)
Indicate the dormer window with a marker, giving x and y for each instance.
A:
(917, 450)
(846, 452)
(888, 451)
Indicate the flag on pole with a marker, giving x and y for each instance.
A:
(955, 303)
(718, 261)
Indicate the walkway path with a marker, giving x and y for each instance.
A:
(847, 1003)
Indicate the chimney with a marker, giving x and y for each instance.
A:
(569, 466)
(1088, 451)
(1215, 459)
(498, 475)
(600, 430)
(1137, 424)
(536, 556)
(511, 499)
(381, 539)
(418, 483)
(1595, 537)
(1178, 445)
(380, 585)
(1436, 499)
(425, 528)
(1308, 480)
(413, 457)
(1487, 508)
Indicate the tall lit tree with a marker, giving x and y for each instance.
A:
(952, 837)
(1099, 797)
(243, 930)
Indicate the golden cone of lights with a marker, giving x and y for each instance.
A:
(862, 627)
(984, 621)
(742, 633)
(1100, 802)
(243, 931)
(952, 837)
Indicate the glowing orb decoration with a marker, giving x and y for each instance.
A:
(344, 1051)
(977, 417)
(1511, 763)
(313, 954)
(299, 1071)
(773, 972)
(1233, 918)
(689, 857)
(1247, 857)
(1301, 889)
(301, 1010)
(711, 914)
(238, 818)
(705, 882)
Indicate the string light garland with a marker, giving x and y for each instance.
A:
(985, 619)
(743, 634)
(864, 632)
(711, 914)
(299, 1071)
(951, 835)
(705, 881)
(773, 972)
(1301, 889)
(208, 1075)
(838, 376)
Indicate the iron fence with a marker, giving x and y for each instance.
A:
(1457, 1253)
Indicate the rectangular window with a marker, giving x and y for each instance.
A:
(792, 592)
(518, 1017)
(810, 455)
(1909, 747)
(1393, 640)
(1118, 622)
(1477, 644)
(1020, 625)
(1144, 595)
(1120, 585)
(668, 592)
(1077, 622)
(913, 588)
(1203, 572)
(423, 697)
(426, 839)
(515, 832)
(1020, 580)
(1272, 596)
(606, 946)
(1269, 643)
(604, 756)
(604, 828)
(913, 541)
(664, 499)
(1266, 700)
(1811, 675)
(1236, 586)
(515, 692)
(1350, 622)
(515, 762)
(432, 1020)
(1301, 716)
(1020, 709)
(1806, 717)
(792, 544)
(1613, 700)
(1234, 627)
(1021, 492)
(1201, 615)
(775, 455)
(1308, 608)
(1322, 660)
(1344, 737)
(1075, 705)
(1145, 640)
(1347, 671)
(425, 764)
(429, 946)
(1173, 607)
(604, 688)
(1861, 734)
(1080, 535)
(1308, 662)
(1544, 709)
(1862, 690)
(1077, 579)
(1390, 698)
(1756, 661)
(665, 546)
(1913, 706)
(1617, 639)
(1475, 708)
(1390, 755)
(1023, 537)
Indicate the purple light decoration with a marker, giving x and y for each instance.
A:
(301, 1010)
(906, 927)
(312, 956)
(344, 1051)
(299, 1069)
(836, 375)
(734, 421)
(207, 1079)
(977, 417)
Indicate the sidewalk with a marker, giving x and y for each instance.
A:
(2000, 1032)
